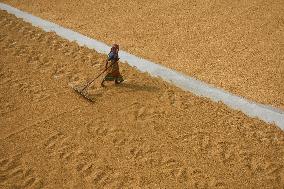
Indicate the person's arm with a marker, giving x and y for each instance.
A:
(110, 57)
(106, 64)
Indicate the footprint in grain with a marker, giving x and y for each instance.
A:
(98, 176)
(53, 140)
(200, 139)
(35, 91)
(119, 137)
(5, 74)
(142, 152)
(10, 164)
(130, 111)
(38, 93)
(85, 168)
(13, 174)
(65, 149)
(7, 107)
(59, 72)
(145, 114)
(79, 159)
(61, 146)
(226, 152)
(274, 171)
(43, 65)
(174, 168)
(182, 175)
(102, 176)
(65, 152)
(168, 96)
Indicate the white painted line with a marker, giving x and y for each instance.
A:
(266, 113)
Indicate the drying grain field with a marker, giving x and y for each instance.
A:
(144, 133)
(234, 45)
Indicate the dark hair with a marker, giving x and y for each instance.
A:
(114, 47)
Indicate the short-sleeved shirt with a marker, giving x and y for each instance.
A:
(113, 57)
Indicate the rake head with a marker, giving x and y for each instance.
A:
(83, 93)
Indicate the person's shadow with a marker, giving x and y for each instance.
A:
(137, 87)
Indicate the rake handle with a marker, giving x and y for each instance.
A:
(96, 77)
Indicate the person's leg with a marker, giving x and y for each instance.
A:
(118, 80)
(102, 83)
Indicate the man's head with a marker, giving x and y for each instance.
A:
(115, 48)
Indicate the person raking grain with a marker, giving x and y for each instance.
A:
(113, 73)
